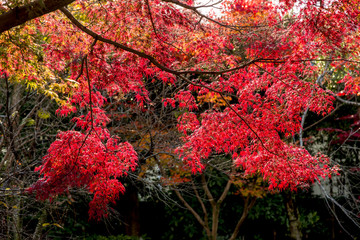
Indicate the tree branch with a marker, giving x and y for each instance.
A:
(248, 204)
(98, 37)
(196, 215)
(20, 15)
(225, 192)
(207, 190)
(347, 102)
(200, 201)
(314, 124)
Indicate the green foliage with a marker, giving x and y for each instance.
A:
(271, 208)
(310, 222)
(182, 224)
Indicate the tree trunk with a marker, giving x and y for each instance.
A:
(130, 211)
(333, 235)
(293, 216)
(39, 226)
(14, 117)
(17, 219)
(215, 221)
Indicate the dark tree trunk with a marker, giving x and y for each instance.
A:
(293, 215)
(129, 209)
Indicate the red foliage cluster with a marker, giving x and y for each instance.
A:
(92, 159)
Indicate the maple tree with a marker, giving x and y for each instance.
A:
(258, 63)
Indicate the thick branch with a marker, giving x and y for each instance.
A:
(207, 190)
(330, 114)
(248, 204)
(216, 210)
(206, 219)
(196, 215)
(347, 102)
(21, 15)
(141, 54)
(225, 192)
(302, 127)
(203, 223)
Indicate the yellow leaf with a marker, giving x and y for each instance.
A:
(30, 122)
(43, 114)
(4, 204)
(45, 224)
(57, 225)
